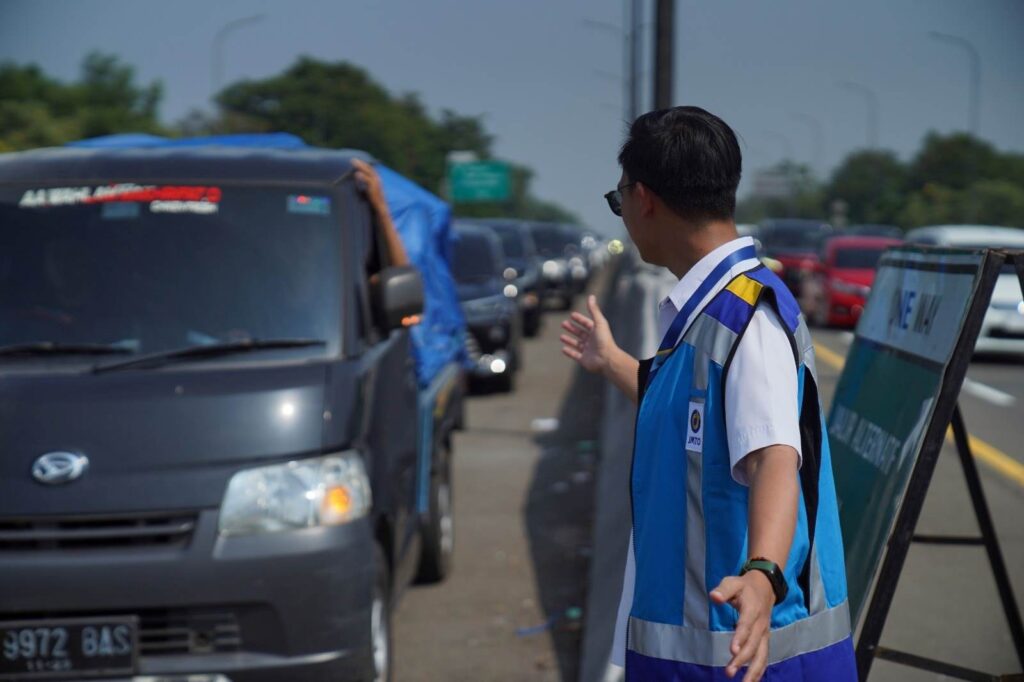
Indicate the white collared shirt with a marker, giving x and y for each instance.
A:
(760, 390)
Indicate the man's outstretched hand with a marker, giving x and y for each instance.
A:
(588, 340)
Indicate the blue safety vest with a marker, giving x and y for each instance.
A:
(690, 516)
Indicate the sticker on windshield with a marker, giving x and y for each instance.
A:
(309, 205)
(127, 210)
(161, 198)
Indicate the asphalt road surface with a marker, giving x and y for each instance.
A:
(523, 496)
(946, 606)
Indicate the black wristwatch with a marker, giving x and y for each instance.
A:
(772, 571)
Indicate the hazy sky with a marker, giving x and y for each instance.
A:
(546, 83)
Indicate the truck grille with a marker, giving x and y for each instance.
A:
(165, 632)
(188, 632)
(95, 532)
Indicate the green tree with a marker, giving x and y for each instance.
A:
(933, 204)
(873, 185)
(37, 110)
(999, 202)
(111, 102)
(956, 161)
(805, 198)
(338, 105)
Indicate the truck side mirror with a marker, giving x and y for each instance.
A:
(398, 297)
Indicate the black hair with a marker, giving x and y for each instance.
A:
(688, 157)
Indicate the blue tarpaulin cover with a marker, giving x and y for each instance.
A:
(423, 222)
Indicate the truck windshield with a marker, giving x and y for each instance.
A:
(157, 267)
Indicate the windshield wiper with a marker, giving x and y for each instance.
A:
(54, 348)
(207, 351)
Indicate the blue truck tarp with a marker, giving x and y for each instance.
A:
(423, 221)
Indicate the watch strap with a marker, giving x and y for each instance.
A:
(772, 571)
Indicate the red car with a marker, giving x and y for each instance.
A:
(844, 278)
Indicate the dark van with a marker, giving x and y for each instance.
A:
(489, 303)
(218, 463)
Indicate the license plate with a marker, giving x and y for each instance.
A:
(81, 647)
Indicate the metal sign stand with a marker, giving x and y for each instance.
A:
(947, 413)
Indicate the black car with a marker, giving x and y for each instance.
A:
(214, 463)
(523, 269)
(489, 305)
(563, 268)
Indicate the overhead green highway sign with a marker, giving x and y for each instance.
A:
(479, 181)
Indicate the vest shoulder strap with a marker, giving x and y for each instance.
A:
(724, 320)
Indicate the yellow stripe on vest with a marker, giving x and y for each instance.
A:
(746, 288)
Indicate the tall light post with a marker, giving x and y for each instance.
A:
(635, 14)
(664, 51)
(974, 112)
(871, 104)
(217, 49)
(627, 77)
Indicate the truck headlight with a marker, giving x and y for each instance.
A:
(322, 491)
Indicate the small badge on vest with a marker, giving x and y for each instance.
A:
(695, 434)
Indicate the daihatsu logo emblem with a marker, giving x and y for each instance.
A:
(54, 468)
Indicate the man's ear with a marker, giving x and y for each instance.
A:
(645, 199)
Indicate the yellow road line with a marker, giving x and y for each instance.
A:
(988, 454)
(994, 458)
(830, 357)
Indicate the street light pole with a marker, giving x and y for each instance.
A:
(974, 113)
(622, 34)
(664, 42)
(217, 49)
(871, 103)
(635, 21)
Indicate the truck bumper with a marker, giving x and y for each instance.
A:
(278, 606)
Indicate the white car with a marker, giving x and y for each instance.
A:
(1002, 331)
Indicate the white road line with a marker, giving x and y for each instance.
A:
(975, 388)
(987, 393)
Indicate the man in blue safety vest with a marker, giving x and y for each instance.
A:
(735, 562)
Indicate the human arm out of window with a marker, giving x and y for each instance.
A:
(369, 182)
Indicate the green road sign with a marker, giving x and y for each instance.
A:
(886, 396)
(479, 181)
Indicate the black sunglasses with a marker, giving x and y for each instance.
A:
(614, 198)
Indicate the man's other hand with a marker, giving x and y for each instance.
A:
(753, 598)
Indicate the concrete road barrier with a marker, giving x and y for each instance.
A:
(630, 303)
